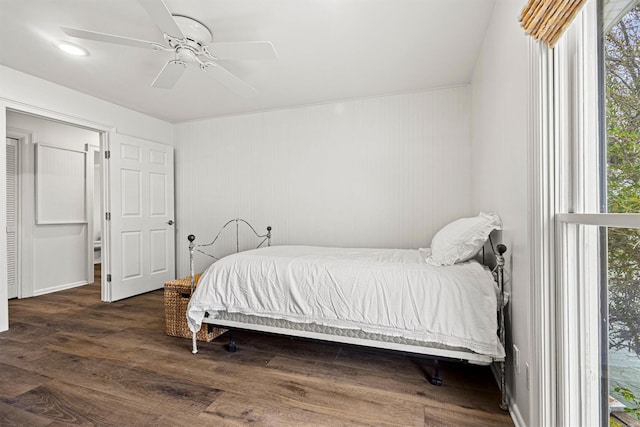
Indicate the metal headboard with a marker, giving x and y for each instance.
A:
(237, 221)
(193, 247)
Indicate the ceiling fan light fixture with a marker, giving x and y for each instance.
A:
(186, 55)
(72, 49)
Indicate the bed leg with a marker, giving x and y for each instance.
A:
(232, 346)
(194, 343)
(503, 392)
(436, 379)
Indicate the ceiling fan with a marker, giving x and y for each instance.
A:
(191, 41)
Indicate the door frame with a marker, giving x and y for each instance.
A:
(105, 271)
(24, 240)
(20, 107)
(26, 204)
(23, 237)
(90, 204)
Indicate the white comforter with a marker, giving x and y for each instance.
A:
(385, 291)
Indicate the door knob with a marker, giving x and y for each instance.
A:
(170, 222)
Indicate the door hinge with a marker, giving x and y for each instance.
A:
(107, 154)
(108, 278)
(107, 216)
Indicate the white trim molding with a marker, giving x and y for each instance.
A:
(566, 246)
(516, 416)
(542, 188)
(577, 251)
(59, 288)
(23, 108)
(618, 220)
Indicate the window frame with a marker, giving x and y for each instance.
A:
(577, 144)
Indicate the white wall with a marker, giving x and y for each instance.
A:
(23, 92)
(500, 168)
(57, 253)
(377, 172)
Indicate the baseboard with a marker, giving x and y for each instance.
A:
(58, 288)
(518, 421)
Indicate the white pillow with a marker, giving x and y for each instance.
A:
(462, 239)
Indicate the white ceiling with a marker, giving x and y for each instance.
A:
(328, 50)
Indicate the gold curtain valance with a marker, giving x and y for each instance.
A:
(546, 20)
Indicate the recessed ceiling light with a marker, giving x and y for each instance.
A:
(72, 49)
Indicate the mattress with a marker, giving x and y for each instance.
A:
(251, 321)
(388, 293)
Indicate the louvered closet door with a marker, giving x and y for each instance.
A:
(12, 216)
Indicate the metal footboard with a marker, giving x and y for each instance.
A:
(193, 247)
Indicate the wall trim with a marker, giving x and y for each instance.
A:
(542, 183)
(514, 411)
(23, 108)
(59, 288)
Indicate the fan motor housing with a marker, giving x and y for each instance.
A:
(193, 30)
(196, 37)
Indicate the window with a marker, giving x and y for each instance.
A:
(621, 283)
(596, 74)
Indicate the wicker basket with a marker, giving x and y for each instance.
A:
(176, 299)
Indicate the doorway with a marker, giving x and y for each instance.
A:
(56, 223)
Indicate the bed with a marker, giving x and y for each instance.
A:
(438, 302)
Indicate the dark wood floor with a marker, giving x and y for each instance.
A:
(69, 359)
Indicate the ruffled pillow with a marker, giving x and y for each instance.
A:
(462, 239)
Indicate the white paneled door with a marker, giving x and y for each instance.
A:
(141, 255)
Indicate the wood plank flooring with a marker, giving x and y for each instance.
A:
(69, 359)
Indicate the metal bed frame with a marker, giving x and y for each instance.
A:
(459, 355)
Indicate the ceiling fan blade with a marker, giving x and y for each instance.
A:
(162, 17)
(229, 80)
(108, 38)
(243, 50)
(169, 75)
